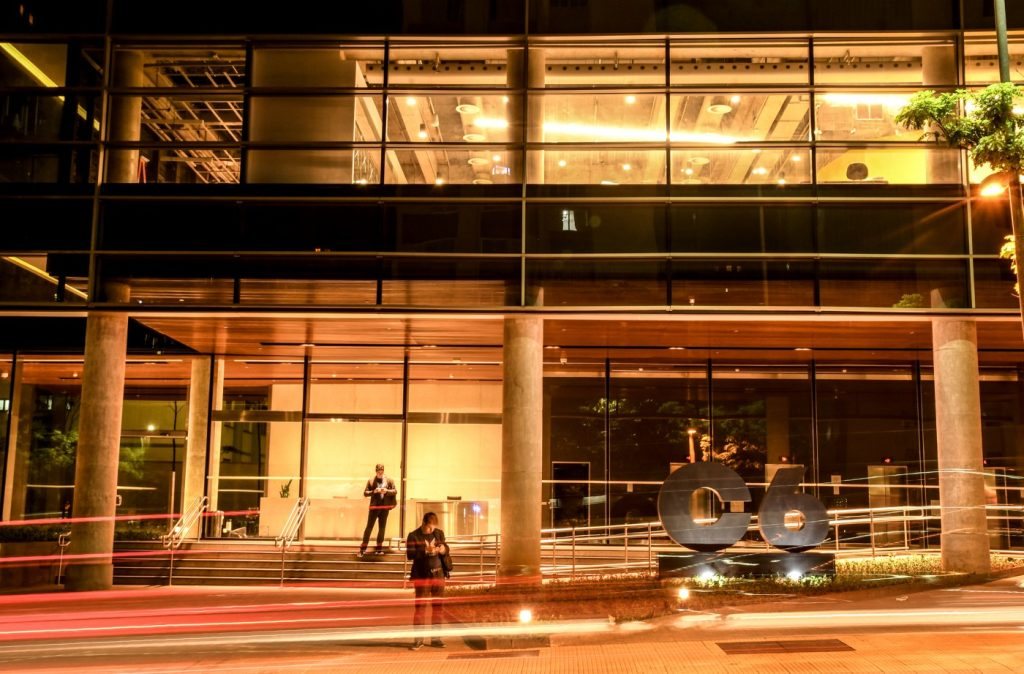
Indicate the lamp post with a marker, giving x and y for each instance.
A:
(1013, 187)
(693, 454)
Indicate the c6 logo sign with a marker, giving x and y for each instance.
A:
(783, 497)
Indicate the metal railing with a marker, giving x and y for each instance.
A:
(621, 548)
(291, 529)
(173, 539)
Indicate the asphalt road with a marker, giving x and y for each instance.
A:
(978, 628)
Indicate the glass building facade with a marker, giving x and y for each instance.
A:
(736, 251)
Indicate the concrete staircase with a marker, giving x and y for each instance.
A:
(259, 563)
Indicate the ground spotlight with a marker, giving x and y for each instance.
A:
(683, 594)
(525, 615)
(794, 575)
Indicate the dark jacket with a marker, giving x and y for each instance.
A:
(385, 501)
(416, 551)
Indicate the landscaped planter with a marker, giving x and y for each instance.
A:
(40, 569)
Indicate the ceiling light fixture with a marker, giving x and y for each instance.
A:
(631, 99)
(410, 101)
(467, 109)
(423, 132)
(562, 163)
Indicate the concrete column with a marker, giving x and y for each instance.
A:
(958, 430)
(193, 481)
(213, 467)
(532, 76)
(125, 122)
(99, 446)
(303, 119)
(521, 449)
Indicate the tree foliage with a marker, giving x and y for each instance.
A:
(982, 122)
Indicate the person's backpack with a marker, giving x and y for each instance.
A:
(446, 563)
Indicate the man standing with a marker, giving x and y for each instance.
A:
(381, 491)
(426, 548)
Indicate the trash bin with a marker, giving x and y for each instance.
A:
(215, 524)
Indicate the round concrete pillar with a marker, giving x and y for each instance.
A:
(521, 449)
(958, 430)
(193, 482)
(99, 446)
(125, 118)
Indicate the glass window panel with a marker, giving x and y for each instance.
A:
(451, 66)
(299, 119)
(68, 164)
(881, 62)
(46, 118)
(26, 64)
(67, 224)
(454, 117)
(574, 467)
(990, 223)
(477, 282)
(750, 282)
(189, 165)
(747, 166)
(731, 117)
(344, 66)
(868, 446)
(357, 381)
(739, 62)
(456, 165)
(596, 228)
(462, 228)
(888, 166)
(214, 116)
(652, 410)
(49, 406)
(598, 118)
(292, 291)
(594, 64)
(356, 166)
(894, 283)
(6, 362)
(215, 66)
(453, 457)
(899, 229)
(857, 116)
(742, 229)
(761, 422)
(993, 285)
(606, 282)
(981, 61)
(584, 166)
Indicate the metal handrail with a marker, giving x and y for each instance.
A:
(63, 541)
(174, 538)
(291, 529)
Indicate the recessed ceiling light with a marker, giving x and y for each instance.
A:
(700, 161)
(467, 109)
(504, 99)
(482, 181)
(477, 161)
(562, 163)
(734, 100)
(631, 99)
(719, 108)
(688, 171)
(608, 182)
(782, 181)
(760, 170)
(496, 157)
(439, 181)
(796, 157)
(410, 101)
(474, 137)
(627, 167)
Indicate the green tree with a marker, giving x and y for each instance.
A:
(990, 126)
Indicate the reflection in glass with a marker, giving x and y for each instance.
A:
(598, 282)
(748, 282)
(905, 284)
(601, 118)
